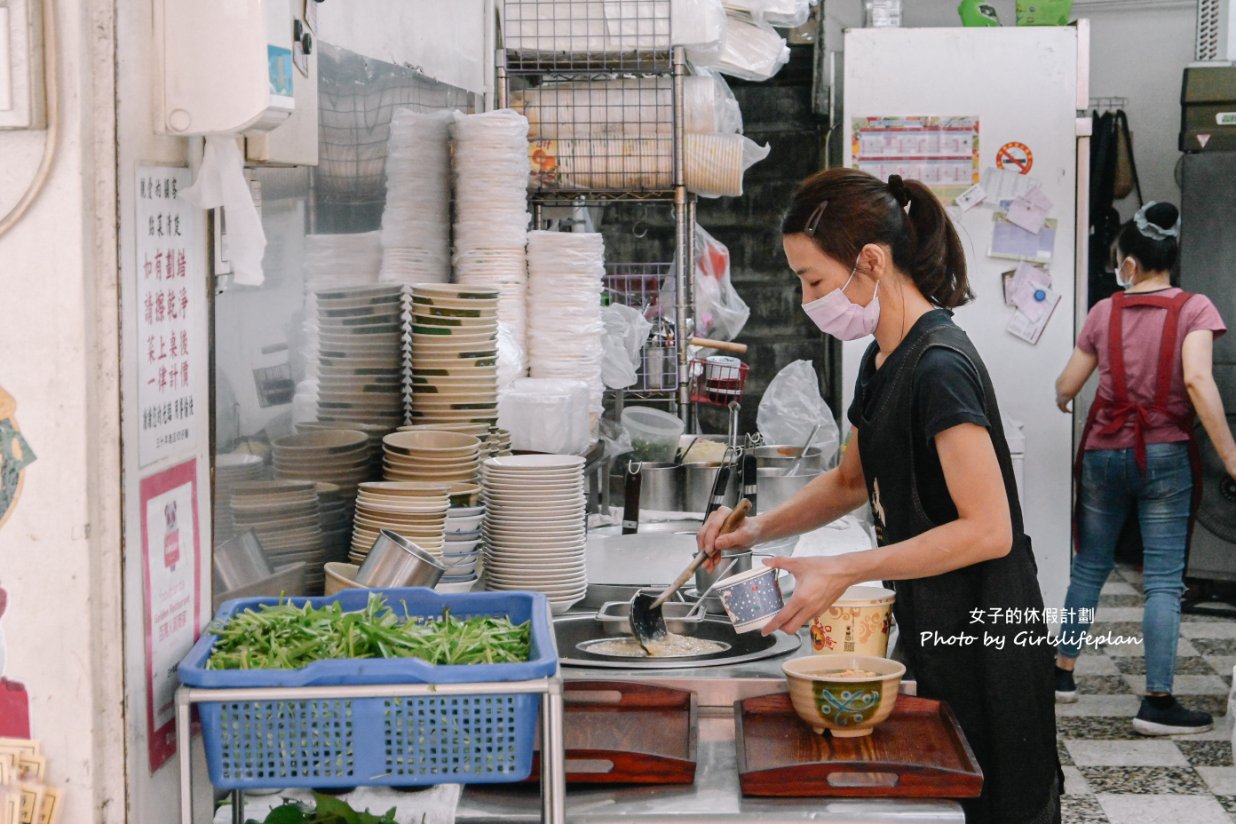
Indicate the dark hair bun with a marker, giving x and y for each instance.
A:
(1163, 215)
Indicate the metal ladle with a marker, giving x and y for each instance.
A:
(803, 452)
(647, 621)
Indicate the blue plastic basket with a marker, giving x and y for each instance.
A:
(419, 740)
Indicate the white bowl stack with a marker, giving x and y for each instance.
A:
(416, 222)
(431, 456)
(360, 355)
(534, 526)
(287, 521)
(565, 278)
(416, 511)
(491, 209)
(232, 468)
(461, 550)
(452, 374)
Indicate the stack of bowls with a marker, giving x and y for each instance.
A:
(335, 512)
(453, 375)
(491, 210)
(360, 353)
(375, 433)
(461, 551)
(336, 456)
(416, 222)
(416, 511)
(231, 468)
(565, 274)
(284, 515)
(494, 441)
(534, 526)
(431, 456)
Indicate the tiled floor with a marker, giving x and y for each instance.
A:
(1112, 774)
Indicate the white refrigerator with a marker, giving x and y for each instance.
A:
(1016, 94)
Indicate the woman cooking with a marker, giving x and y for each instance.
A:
(1152, 345)
(928, 452)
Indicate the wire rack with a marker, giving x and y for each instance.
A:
(595, 78)
(642, 286)
(716, 381)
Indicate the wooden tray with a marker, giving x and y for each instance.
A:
(623, 732)
(918, 752)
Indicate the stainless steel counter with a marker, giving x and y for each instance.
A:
(715, 796)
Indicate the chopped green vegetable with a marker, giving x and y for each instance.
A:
(284, 636)
(326, 810)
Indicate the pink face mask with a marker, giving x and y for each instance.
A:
(836, 315)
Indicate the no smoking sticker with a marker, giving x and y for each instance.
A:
(1016, 157)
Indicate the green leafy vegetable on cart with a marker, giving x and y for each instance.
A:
(285, 636)
(326, 810)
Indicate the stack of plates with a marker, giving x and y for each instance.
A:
(453, 370)
(565, 274)
(534, 526)
(335, 512)
(285, 517)
(336, 456)
(491, 209)
(231, 468)
(431, 457)
(417, 511)
(360, 354)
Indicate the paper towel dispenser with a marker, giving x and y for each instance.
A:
(228, 66)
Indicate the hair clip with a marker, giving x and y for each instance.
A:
(813, 221)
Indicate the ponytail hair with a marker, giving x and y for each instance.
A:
(844, 209)
(1152, 236)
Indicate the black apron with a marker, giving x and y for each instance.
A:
(1000, 684)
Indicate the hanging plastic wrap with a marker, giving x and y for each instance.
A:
(716, 163)
(720, 312)
(752, 51)
(626, 331)
(792, 405)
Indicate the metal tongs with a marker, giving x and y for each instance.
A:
(647, 621)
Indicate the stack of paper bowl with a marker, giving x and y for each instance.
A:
(360, 355)
(375, 433)
(335, 512)
(431, 456)
(336, 456)
(416, 222)
(453, 375)
(534, 526)
(417, 511)
(232, 468)
(286, 518)
(565, 274)
(491, 209)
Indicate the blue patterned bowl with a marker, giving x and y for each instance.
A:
(847, 695)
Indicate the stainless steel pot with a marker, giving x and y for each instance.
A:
(699, 478)
(661, 486)
(775, 456)
(774, 489)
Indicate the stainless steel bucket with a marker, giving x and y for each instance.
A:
(699, 479)
(661, 486)
(774, 489)
(395, 561)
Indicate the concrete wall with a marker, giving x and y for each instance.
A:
(60, 549)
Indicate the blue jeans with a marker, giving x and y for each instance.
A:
(1111, 485)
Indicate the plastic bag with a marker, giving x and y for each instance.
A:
(751, 51)
(512, 362)
(626, 329)
(792, 405)
(546, 415)
(720, 312)
(699, 25)
(710, 101)
(785, 14)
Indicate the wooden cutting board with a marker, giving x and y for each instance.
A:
(624, 732)
(918, 752)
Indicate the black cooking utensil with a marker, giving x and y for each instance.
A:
(647, 621)
(630, 499)
(750, 479)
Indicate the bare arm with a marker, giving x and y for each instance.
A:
(825, 499)
(1074, 377)
(983, 530)
(1196, 356)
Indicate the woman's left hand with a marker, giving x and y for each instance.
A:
(819, 582)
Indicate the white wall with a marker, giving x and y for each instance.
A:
(60, 550)
(440, 39)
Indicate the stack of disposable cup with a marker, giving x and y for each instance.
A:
(491, 209)
(565, 274)
(416, 219)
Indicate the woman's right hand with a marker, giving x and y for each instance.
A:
(709, 539)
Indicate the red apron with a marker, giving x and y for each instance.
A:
(1124, 410)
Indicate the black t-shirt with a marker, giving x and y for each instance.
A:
(947, 391)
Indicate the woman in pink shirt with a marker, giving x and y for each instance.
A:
(1152, 345)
